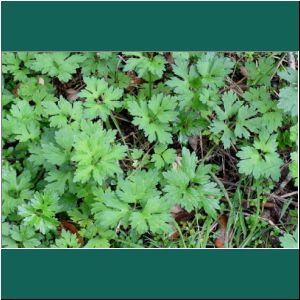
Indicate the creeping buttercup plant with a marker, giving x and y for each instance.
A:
(149, 149)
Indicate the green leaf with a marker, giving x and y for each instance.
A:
(294, 167)
(288, 100)
(136, 202)
(40, 212)
(7, 241)
(97, 243)
(15, 188)
(138, 222)
(182, 83)
(12, 64)
(37, 90)
(59, 153)
(81, 215)
(235, 120)
(261, 160)
(110, 211)
(154, 116)
(260, 99)
(95, 154)
(63, 113)
(57, 64)
(25, 236)
(138, 187)
(67, 240)
(58, 180)
(189, 124)
(144, 65)
(260, 73)
(289, 75)
(137, 153)
(213, 69)
(100, 63)
(156, 212)
(23, 122)
(101, 99)
(289, 240)
(189, 186)
(163, 156)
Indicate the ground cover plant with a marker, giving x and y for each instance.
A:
(149, 149)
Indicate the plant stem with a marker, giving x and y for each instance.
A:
(278, 65)
(38, 177)
(180, 233)
(150, 84)
(208, 153)
(107, 124)
(206, 229)
(118, 128)
(217, 180)
(120, 133)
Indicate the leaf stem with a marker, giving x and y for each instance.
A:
(278, 65)
(180, 234)
(208, 153)
(107, 124)
(218, 181)
(150, 84)
(120, 133)
(38, 177)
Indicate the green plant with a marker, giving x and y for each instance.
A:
(40, 211)
(16, 189)
(288, 96)
(235, 121)
(22, 122)
(149, 149)
(163, 156)
(67, 240)
(100, 98)
(60, 64)
(270, 117)
(63, 113)
(260, 73)
(154, 117)
(261, 160)
(145, 66)
(137, 203)
(95, 154)
(289, 240)
(22, 236)
(189, 185)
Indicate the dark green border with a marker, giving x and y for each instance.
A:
(150, 273)
(167, 274)
(230, 26)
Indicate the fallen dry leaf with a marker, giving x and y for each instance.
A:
(219, 243)
(244, 71)
(169, 58)
(72, 94)
(175, 234)
(16, 89)
(193, 141)
(180, 214)
(134, 79)
(66, 225)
